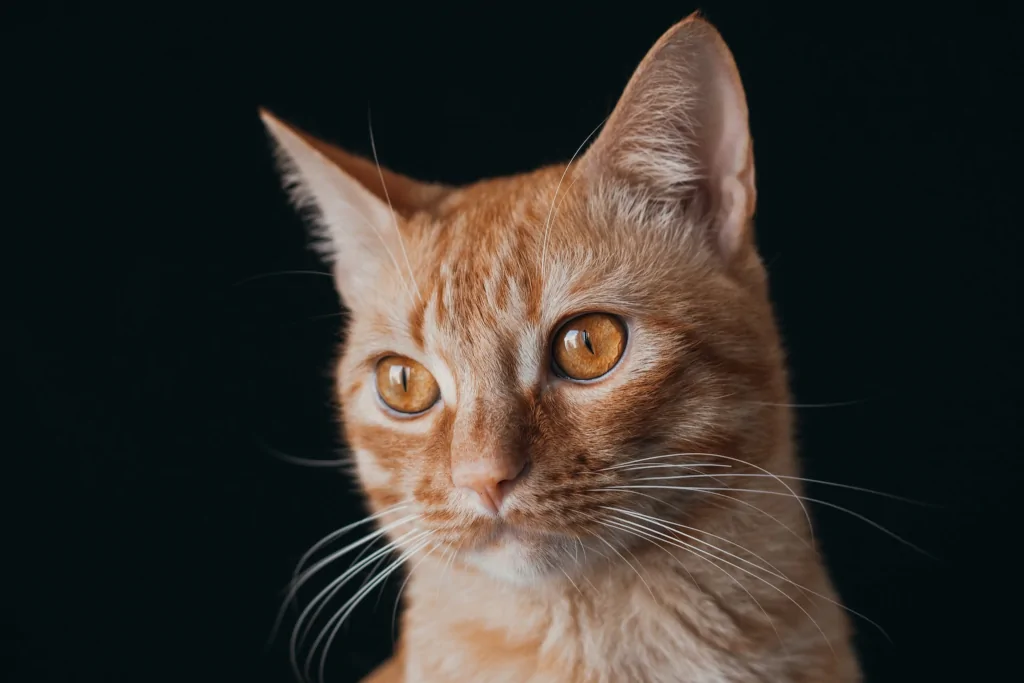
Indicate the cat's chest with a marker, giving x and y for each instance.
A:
(636, 640)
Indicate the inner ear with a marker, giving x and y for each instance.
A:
(353, 222)
(679, 133)
(405, 195)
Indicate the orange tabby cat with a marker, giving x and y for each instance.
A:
(566, 399)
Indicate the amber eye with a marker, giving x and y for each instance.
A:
(405, 386)
(589, 346)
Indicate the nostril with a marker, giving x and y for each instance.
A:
(505, 485)
(490, 481)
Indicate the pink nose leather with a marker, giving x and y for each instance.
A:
(489, 480)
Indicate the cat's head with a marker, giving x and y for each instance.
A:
(521, 348)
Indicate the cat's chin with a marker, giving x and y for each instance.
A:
(520, 559)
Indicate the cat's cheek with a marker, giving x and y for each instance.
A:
(371, 474)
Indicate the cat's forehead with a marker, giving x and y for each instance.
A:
(504, 262)
(485, 291)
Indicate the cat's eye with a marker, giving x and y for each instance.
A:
(589, 346)
(405, 386)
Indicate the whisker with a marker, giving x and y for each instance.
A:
(326, 599)
(664, 524)
(778, 573)
(712, 563)
(451, 551)
(628, 563)
(394, 218)
(621, 465)
(345, 529)
(316, 546)
(352, 603)
(571, 581)
(694, 549)
(547, 221)
(303, 462)
(630, 489)
(398, 598)
(818, 501)
(792, 478)
(667, 464)
(387, 249)
(306, 575)
(807, 514)
(836, 404)
(693, 579)
(299, 632)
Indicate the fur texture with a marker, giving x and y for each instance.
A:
(655, 534)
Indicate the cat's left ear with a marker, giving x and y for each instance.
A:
(679, 133)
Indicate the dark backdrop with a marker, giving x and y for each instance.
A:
(147, 527)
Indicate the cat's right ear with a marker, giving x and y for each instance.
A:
(679, 135)
(360, 208)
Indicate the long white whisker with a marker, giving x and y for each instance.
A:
(316, 546)
(807, 514)
(451, 551)
(622, 465)
(302, 462)
(664, 465)
(353, 602)
(306, 575)
(299, 632)
(664, 524)
(326, 599)
(376, 231)
(782, 476)
(818, 501)
(679, 466)
(838, 404)
(547, 221)
(653, 540)
(695, 549)
(394, 218)
(778, 573)
(570, 580)
(343, 530)
(628, 563)
(859, 516)
(398, 598)
(631, 489)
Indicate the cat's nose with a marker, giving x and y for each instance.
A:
(489, 480)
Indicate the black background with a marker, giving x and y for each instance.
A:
(147, 528)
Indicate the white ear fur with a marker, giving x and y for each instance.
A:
(679, 133)
(356, 229)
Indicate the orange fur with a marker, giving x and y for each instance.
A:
(652, 224)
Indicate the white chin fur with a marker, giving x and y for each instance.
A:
(519, 562)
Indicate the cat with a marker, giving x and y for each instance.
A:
(567, 404)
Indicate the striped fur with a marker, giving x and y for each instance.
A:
(653, 224)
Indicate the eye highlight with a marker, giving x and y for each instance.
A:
(405, 386)
(589, 346)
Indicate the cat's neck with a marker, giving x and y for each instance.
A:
(701, 597)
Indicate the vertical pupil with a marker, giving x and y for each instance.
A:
(405, 378)
(587, 342)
